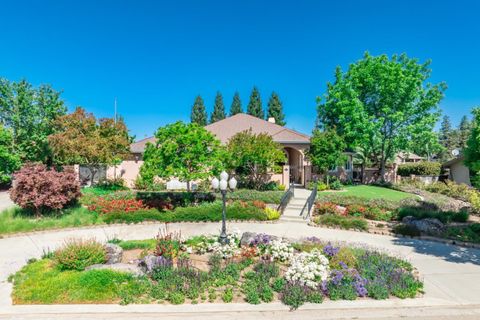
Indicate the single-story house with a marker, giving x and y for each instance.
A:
(458, 172)
(407, 157)
(295, 144)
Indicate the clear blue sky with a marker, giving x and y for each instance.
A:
(156, 56)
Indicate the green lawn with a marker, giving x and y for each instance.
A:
(371, 192)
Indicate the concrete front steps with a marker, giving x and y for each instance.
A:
(294, 207)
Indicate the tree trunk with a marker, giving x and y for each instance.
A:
(188, 185)
(382, 170)
(93, 172)
(362, 173)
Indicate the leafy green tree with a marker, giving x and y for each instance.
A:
(380, 103)
(472, 151)
(9, 160)
(253, 157)
(29, 113)
(326, 150)
(199, 114)
(254, 107)
(464, 132)
(84, 140)
(275, 109)
(236, 106)
(218, 109)
(185, 151)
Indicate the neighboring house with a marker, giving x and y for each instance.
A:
(458, 172)
(295, 144)
(406, 157)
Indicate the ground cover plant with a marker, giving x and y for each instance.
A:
(201, 270)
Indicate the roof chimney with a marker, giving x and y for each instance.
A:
(271, 120)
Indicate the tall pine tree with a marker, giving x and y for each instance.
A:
(464, 132)
(254, 107)
(275, 109)
(236, 106)
(218, 109)
(199, 114)
(447, 138)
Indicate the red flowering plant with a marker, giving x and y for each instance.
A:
(105, 206)
(249, 252)
(322, 208)
(356, 210)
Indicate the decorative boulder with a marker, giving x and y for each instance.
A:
(122, 267)
(428, 225)
(150, 262)
(248, 237)
(114, 253)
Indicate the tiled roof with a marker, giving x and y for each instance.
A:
(226, 128)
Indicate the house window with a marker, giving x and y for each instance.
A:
(348, 165)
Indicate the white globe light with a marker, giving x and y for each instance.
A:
(224, 176)
(223, 185)
(215, 183)
(232, 183)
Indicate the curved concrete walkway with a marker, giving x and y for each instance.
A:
(5, 201)
(451, 273)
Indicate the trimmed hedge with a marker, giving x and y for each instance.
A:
(158, 199)
(203, 212)
(251, 195)
(422, 168)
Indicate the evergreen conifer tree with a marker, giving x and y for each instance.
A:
(218, 109)
(236, 106)
(464, 132)
(199, 114)
(254, 107)
(275, 109)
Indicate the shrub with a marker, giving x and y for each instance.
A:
(170, 199)
(406, 230)
(251, 195)
(106, 206)
(142, 184)
(422, 168)
(334, 220)
(79, 254)
(469, 233)
(272, 214)
(202, 212)
(336, 185)
(423, 213)
(322, 208)
(42, 190)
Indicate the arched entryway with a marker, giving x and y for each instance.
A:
(295, 161)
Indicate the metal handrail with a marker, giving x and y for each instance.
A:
(309, 203)
(286, 198)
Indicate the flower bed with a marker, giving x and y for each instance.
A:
(200, 269)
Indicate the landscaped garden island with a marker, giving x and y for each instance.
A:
(251, 268)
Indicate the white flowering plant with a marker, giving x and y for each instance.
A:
(308, 268)
(280, 250)
(211, 244)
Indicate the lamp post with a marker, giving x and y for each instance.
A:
(223, 185)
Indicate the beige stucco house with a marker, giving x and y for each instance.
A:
(458, 172)
(295, 144)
